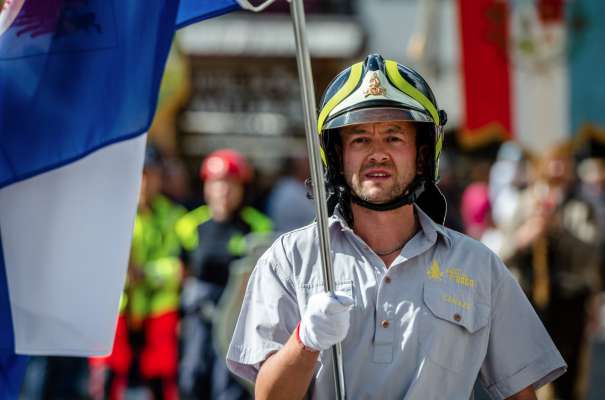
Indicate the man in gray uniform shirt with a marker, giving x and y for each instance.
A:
(421, 310)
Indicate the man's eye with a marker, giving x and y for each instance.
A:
(394, 139)
(360, 140)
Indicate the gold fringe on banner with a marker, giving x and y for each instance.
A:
(587, 133)
(491, 133)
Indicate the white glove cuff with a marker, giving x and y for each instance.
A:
(298, 339)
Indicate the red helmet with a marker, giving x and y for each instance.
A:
(226, 163)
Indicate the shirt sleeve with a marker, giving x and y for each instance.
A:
(520, 352)
(268, 317)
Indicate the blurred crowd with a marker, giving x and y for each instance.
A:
(544, 215)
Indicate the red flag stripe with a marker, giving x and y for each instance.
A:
(485, 65)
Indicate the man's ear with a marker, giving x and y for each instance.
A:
(422, 159)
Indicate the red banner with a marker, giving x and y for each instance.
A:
(551, 11)
(484, 42)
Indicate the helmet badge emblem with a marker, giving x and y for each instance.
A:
(374, 88)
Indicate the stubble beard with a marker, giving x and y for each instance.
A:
(379, 197)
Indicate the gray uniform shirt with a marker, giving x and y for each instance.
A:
(446, 311)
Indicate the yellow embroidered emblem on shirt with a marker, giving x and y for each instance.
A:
(460, 277)
(457, 302)
(434, 272)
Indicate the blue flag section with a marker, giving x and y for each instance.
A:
(586, 55)
(76, 76)
(12, 372)
(12, 366)
(78, 80)
(191, 11)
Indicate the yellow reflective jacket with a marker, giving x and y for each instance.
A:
(155, 251)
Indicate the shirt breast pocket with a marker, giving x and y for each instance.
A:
(306, 290)
(453, 327)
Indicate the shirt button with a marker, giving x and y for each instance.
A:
(387, 279)
(457, 317)
(385, 323)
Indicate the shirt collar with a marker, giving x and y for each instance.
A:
(429, 228)
(337, 218)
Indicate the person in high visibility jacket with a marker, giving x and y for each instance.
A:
(213, 236)
(146, 343)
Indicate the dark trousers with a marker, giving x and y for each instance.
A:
(565, 319)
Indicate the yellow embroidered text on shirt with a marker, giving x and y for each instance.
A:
(457, 302)
(460, 277)
(434, 272)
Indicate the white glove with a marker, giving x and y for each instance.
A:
(326, 320)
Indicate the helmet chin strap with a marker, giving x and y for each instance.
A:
(416, 189)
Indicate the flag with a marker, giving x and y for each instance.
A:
(191, 11)
(515, 71)
(540, 86)
(78, 89)
(585, 56)
(483, 26)
(12, 366)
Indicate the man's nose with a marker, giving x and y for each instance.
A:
(378, 153)
(226, 191)
(222, 190)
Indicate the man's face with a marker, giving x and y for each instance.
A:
(557, 170)
(224, 196)
(379, 159)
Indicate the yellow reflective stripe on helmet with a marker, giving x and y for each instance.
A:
(438, 147)
(344, 91)
(439, 144)
(341, 94)
(322, 154)
(407, 88)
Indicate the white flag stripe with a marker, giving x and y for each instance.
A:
(541, 109)
(539, 80)
(66, 239)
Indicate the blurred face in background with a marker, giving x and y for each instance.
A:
(592, 174)
(557, 169)
(175, 180)
(224, 196)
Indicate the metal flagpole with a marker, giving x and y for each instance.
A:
(319, 191)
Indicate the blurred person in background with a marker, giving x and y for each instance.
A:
(176, 182)
(508, 176)
(213, 236)
(591, 172)
(145, 351)
(553, 248)
(475, 209)
(288, 206)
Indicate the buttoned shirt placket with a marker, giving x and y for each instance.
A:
(386, 292)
